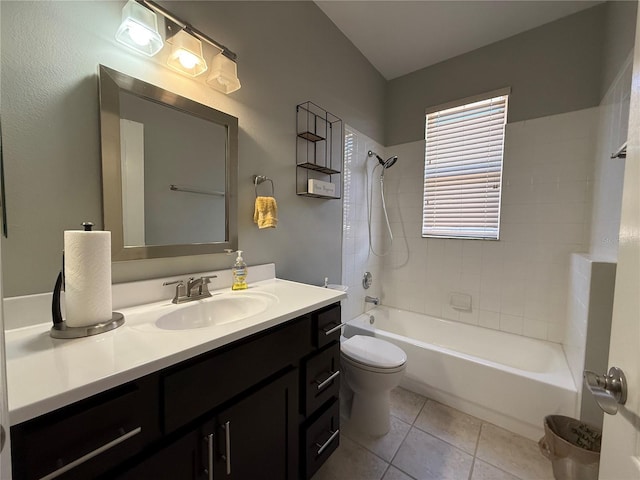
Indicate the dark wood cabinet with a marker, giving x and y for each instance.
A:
(245, 411)
(321, 379)
(321, 438)
(255, 438)
(319, 392)
(195, 387)
(180, 459)
(85, 439)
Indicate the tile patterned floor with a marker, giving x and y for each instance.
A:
(431, 441)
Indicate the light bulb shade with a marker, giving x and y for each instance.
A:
(186, 54)
(139, 29)
(224, 74)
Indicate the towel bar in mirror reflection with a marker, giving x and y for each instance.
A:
(188, 189)
(150, 138)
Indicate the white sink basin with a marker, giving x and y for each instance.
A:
(218, 310)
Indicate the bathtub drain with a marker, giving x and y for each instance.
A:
(372, 319)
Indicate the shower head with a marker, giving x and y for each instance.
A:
(388, 163)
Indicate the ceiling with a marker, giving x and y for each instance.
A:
(399, 37)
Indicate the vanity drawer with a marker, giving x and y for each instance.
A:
(321, 438)
(321, 378)
(325, 321)
(85, 439)
(198, 386)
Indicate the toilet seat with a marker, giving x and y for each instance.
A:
(373, 354)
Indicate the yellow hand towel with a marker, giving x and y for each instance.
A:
(266, 212)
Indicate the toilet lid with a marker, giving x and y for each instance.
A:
(373, 351)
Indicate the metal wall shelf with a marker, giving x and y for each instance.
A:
(318, 168)
(312, 137)
(319, 149)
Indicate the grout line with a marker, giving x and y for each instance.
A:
(378, 455)
(426, 400)
(399, 469)
(436, 436)
(444, 441)
(400, 446)
(475, 451)
(486, 461)
(412, 425)
(473, 464)
(369, 451)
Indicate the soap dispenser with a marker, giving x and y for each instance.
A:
(239, 272)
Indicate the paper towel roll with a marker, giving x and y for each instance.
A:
(87, 275)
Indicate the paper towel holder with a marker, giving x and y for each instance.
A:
(60, 328)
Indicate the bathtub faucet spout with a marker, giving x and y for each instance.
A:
(374, 300)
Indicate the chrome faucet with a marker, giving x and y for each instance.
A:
(195, 289)
(198, 283)
(374, 300)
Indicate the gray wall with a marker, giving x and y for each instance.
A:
(551, 69)
(289, 52)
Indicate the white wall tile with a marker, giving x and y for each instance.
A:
(472, 257)
(555, 332)
(512, 298)
(606, 193)
(535, 329)
(489, 319)
(518, 284)
(490, 300)
(511, 323)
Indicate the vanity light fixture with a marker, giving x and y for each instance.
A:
(224, 74)
(138, 24)
(139, 29)
(186, 54)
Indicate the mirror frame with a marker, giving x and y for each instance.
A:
(111, 83)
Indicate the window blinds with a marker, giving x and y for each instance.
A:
(463, 170)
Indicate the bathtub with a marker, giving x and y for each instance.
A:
(508, 380)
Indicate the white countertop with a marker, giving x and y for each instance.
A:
(44, 374)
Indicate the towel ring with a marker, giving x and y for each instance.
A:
(258, 179)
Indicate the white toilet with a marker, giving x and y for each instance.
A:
(372, 369)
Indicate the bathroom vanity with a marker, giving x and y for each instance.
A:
(256, 398)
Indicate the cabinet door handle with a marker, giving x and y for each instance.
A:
(92, 454)
(333, 436)
(326, 382)
(334, 329)
(227, 447)
(209, 470)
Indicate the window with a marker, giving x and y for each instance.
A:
(463, 167)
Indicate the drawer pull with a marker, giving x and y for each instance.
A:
(209, 471)
(334, 329)
(323, 384)
(323, 447)
(92, 454)
(227, 438)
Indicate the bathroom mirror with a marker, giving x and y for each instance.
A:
(169, 171)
